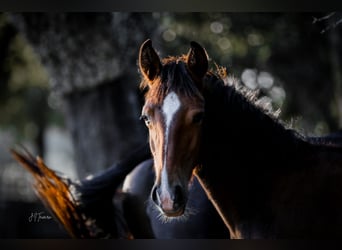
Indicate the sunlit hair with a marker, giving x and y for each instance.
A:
(173, 77)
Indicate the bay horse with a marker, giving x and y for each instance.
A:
(265, 179)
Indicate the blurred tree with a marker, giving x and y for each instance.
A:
(7, 35)
(22, 82)
(91, 62)
(301, 56)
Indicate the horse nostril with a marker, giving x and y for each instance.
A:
(155, 196)
(179, 198)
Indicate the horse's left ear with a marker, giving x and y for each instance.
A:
(149, 62)
(197, 60)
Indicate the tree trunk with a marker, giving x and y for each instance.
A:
(91, 61)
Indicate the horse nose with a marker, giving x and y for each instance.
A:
(179, 198)
(155, 196)
(173, 205)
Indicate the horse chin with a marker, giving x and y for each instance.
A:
(174, 213)
(180, 215)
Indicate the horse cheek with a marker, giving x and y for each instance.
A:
(195, 142)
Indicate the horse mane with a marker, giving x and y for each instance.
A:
(175, 77)
(254, 102)
(245, 99)
(243, 117)
(252, 96)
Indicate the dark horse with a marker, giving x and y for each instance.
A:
(265, 180)
(98, 208)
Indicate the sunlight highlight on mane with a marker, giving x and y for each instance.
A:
(252, 96)
(174, 76)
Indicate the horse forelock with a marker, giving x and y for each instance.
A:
(174, 77)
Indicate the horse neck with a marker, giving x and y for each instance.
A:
(240, 139)
(235, 127)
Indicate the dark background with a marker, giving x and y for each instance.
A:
(69, 85)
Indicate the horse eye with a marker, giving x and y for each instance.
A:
(146, 119)
(197, 118)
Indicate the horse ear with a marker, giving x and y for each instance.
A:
(149, 62)
(197, 60)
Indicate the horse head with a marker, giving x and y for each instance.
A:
(173, 112)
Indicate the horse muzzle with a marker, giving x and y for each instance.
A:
(170, 202)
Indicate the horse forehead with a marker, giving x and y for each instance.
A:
(171, 105)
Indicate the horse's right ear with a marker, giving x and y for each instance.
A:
(197, 60)
(149, 62)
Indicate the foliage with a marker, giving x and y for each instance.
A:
(24, 90)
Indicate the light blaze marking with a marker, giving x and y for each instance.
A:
(170, 107)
